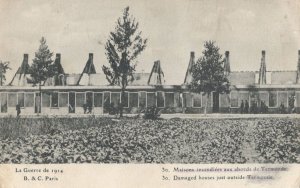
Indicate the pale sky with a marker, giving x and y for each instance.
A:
(174, 28)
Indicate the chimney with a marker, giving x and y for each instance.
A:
(227, 69)
(227, 54)
(262, 79)
(192, 54)
(26, 57)
(58, 56)
(91, 56)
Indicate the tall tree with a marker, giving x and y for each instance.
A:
(208, 72)
(122, 48)
(4, 66)
(42, 67)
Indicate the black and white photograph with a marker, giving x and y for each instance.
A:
(150, 82)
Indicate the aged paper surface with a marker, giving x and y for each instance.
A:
(173, 29)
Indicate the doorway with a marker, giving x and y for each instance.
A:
(37, 108)
(72, 102)
(216, 102)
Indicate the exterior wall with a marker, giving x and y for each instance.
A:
(168, 99)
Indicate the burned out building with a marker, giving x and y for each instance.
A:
(68, 93)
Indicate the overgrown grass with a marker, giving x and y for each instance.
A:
(104, 140)
(12, 127)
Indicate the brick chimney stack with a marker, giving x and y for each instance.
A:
(263, 70)
(91, 55)
(58, 55)
(26, 57)
(227, 69)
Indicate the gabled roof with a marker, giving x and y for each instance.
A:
(156, 76)
(88, 69)
(21, 73)
(188, 75)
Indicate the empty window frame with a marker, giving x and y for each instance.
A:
(115, 98)
(160, 99)
(133, 99)
(264, 97)
(63, 99)
(46, 99)
(234, 99)
(243, 96)
(142, 99)
(98, 97)
(273, 99)
(89, 99)
(21, 99)
(80, 99)
(151, 99)
(3, 100)
(125, 100)
(283, 98)
(12, 99)
(187, 99)
(297, 95)
(197, 100)
(106, 100)
(54, 99)
(29, 99)
(169, 99)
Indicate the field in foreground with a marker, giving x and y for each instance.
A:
(104, 140)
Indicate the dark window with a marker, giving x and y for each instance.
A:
(151, 99)
(133, 99)
(125, 100)
(63, 99)
(160, 99)
(282, 98)
(89, 99)
(169, 99)
(234, 99)
(45, 99)
(80, 99)
(21, 99)
(98, 99)
(106, 102)
(142, 99)
(3, 102)
(29, 99)
(187, 99)
(12, 99)
(115, 99)
(272, 99)
(54, 100)
(197, 100)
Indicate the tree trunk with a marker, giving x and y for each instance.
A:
(122, 101)
(40, 105)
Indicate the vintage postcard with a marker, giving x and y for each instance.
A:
(142, 94)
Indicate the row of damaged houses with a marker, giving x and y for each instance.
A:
(69, 93)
